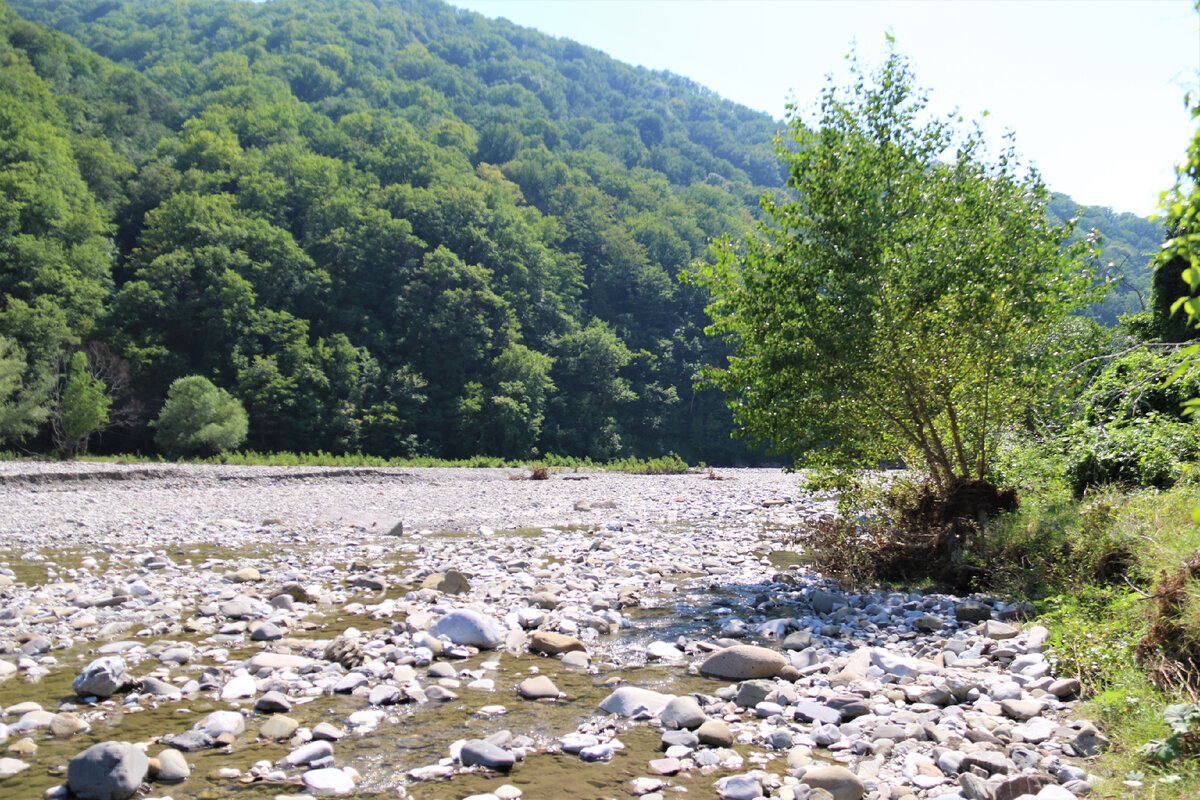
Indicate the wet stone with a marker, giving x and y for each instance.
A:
(478, 752)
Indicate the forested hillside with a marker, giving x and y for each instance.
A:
(385, 226)
(394, 227)
(1130, 243)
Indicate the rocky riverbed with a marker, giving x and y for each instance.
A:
(211, 632)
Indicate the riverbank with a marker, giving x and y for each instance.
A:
(362, 625)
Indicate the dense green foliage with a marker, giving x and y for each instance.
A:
(392, 227)
(891, 307)
(199, 419)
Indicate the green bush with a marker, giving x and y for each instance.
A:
(1148, 451)
(199, 419)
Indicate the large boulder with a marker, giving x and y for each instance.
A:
(470, 628)
(743, 662)
(107, 771)
(103, 677)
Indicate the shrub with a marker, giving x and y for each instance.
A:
(1145, 451)
(199, 419)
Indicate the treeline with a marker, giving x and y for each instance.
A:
(395, 228)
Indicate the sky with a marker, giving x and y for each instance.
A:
(1092, 89)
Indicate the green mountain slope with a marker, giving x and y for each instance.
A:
(1129, 243)
(403, 228)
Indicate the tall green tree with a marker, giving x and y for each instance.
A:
(891, 304)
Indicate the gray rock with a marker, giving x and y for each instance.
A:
(751, 693)
(1018, 785)
(172, 766)
(239, 607)
(384, 695)
(824, 602)
(1021, 709)
(814, 712)
(272, 703)
(103, 677)
(574, 742)
(988, 760)
(467, 627)
(797, 640)
(682, 712)
(219, 722)
(1089, 743)
(328, 782)
(190, 741)
(268, 632)
(975, 787)
(158, 687)
(972, 611)
(994, 629)
(780, 739)
(478, 752)
(315, 750)
(630, 701)
(107, 771)
(681, 738)
(740, 787)
(928, 623)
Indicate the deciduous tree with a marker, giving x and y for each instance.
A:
(890, 306)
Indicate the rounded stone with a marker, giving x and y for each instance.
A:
(715, 733)
(538, 687)
(683, 712)
(107, 771)
(553, 644)
(467, 627)
(172, 766)
(840, 782)
(743, 662)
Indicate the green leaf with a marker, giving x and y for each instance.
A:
(1180, 716)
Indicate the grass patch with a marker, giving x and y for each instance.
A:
(1114, 575)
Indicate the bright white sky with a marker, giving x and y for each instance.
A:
(1093, 89)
